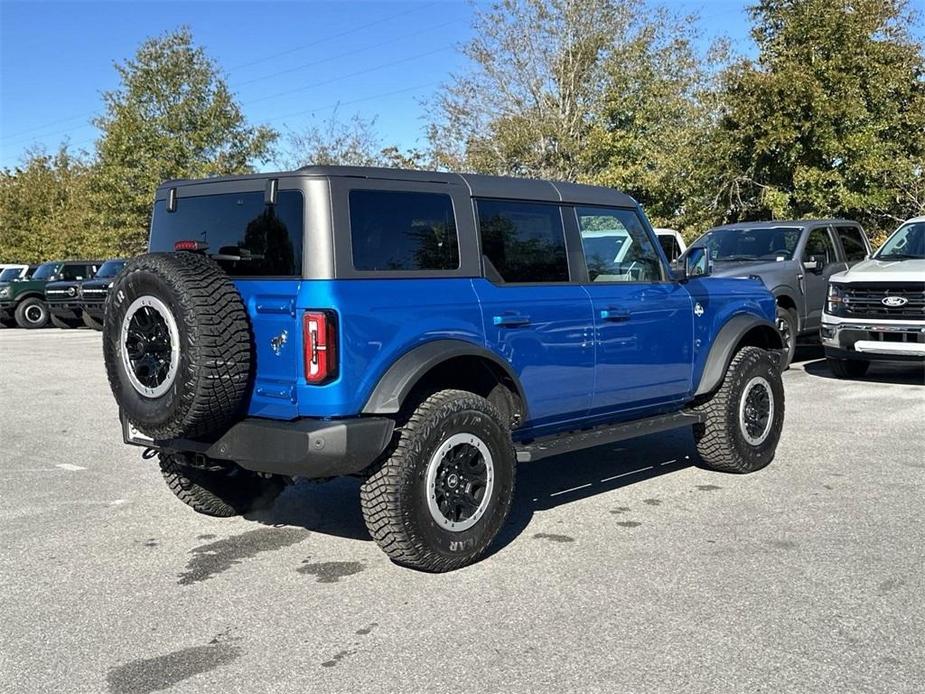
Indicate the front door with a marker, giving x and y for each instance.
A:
(643, 321)
(820, 262)
(534, 315)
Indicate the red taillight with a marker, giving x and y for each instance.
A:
(190, 246)
(320, 340)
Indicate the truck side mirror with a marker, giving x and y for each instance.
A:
(696, 263)
(814, 263)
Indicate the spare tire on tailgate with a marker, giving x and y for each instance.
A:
(177, 345)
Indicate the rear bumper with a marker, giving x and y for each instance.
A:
(305, 447)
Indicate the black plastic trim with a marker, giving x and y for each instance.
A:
(309, 448)
(389, 394)
(723, 349)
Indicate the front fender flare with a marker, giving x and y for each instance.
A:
(724, 348)
(398, 380)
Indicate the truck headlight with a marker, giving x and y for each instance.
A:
(835, 299)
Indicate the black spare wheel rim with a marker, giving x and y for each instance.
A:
(756, 411)
(177, 346)
(150, 346)
(460, 479)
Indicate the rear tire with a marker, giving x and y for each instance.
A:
(91, 322)
(221, 493)
(439, 498)
(848, 368)
(744, 418)
(32, 313)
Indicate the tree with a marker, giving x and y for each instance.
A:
(172, 116)
(354, 142)
(46, 210)
(828, 120)
(591, 90)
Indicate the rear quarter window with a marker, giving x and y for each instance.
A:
(394, 230)
(244, 234)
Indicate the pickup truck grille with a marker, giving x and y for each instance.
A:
(866, 300)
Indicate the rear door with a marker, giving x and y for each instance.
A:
(643, 321)
(534, 315)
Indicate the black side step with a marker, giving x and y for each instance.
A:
(604, 434)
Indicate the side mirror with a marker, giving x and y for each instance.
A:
(696, 263)
(814, 263)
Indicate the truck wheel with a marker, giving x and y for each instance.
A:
(787, 327)
(61, 323)
(441, 495)
(744, 417)
(32, 313)
(222, 493)
(848, 368)
(177, 345)
(91, 322)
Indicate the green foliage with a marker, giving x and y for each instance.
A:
(172, 116)
(45, 210)
(829, 120)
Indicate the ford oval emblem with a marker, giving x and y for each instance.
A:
(894, 301)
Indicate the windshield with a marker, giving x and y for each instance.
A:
(11, 273)
(110, 268)
(45, 271)
(759, 243)
(907, 242)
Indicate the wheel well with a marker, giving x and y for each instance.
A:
(31, 295)
(476, 375)
(763, 336)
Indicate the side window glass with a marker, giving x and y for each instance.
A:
(853, 243)
(522, 242)
(819, 244)
(72, 272)
(617, 247)
(397, 230)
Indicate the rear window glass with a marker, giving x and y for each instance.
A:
(246, 236)
(397, 230)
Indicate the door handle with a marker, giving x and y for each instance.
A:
(614, 314)
(511, 320)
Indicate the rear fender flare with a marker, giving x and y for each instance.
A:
(725, 346)
(401, 377)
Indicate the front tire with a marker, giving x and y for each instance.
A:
(222, 493)
(61, 323)
(32, 313)
(848, 368)
(744, 418)
(788, 327)
(91, 322)
(439, 498)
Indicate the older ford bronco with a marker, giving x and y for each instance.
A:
(424, 332)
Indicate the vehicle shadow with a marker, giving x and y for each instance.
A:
(880, 372)
(333, 508)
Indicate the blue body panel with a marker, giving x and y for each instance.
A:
(577, 362)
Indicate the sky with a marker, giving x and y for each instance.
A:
(291, 64)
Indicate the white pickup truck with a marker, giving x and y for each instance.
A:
(875, 311)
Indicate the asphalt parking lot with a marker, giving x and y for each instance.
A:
(622, 569)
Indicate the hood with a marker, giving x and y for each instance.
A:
(100, 283)
(884, 271)
(745, 268)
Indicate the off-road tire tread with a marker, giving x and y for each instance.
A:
(219, 344)
(20, 313)
(387, 517)
(714, 436)
(218, 493)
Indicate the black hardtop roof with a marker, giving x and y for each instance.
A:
(772, 223)
(479, 185)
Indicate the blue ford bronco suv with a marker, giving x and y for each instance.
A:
(424, 332)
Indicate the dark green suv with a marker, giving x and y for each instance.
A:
(22, 302)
